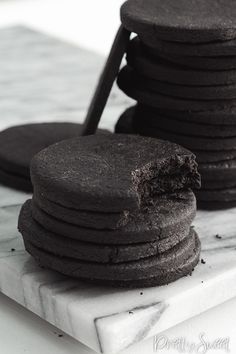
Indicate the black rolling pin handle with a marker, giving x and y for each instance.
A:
(106, 81)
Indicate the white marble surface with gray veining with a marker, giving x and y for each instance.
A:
(107, 320)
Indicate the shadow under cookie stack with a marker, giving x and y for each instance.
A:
(181, 70)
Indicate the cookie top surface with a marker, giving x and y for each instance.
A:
(18, 144)
(113, 172)
(182, 20)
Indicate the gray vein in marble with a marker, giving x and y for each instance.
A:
(143, 332)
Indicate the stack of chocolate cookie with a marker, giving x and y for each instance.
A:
(115, 209)
(181, 69)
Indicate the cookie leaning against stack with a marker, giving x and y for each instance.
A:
(181, 69)
(114, 209)
(18, 145)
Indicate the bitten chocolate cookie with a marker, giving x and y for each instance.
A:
(38, 235)
(195, 21)
(181, 256)
(82, 173)
(169, 216)
(19, 144)
(140, 58)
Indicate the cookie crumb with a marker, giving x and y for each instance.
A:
(218, 237)
(202, 261)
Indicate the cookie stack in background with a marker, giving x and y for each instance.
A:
(113, 209)
(181, 70)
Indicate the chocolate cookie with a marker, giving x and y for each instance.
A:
(54, 243)
(135, 87)
(193, 142)
(143, 271)
(214, 156)
(83, 218)
(15, 181)
(19, 144)
(218, 184)
(124, 124)
(210, 49)
(195, 21)
(126, 120)
(222, 116)
(216, 199)
(219, 171)
(112, 173)
(140, 59)
(200, 63)
(177, 126)
(169, 215)
(215, 205)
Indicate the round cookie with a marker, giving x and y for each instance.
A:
(215, 205)
(15, 181)
(221, 92)
(217, 184)
(162, 70)
(126, 120)
(177, 126)
(169, 216)
(112, 173)
(198, 63)
(186, 253)
(192, 142)
(222, 116)
(214, 156)
(83, 218)
(211, 199)
(210, 49)
(87, 251)
(134, 86)
(219, 171)
(124, 124)
(18, 144)
(195, 21)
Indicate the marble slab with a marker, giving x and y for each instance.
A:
(109, 320)
(45, 79)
